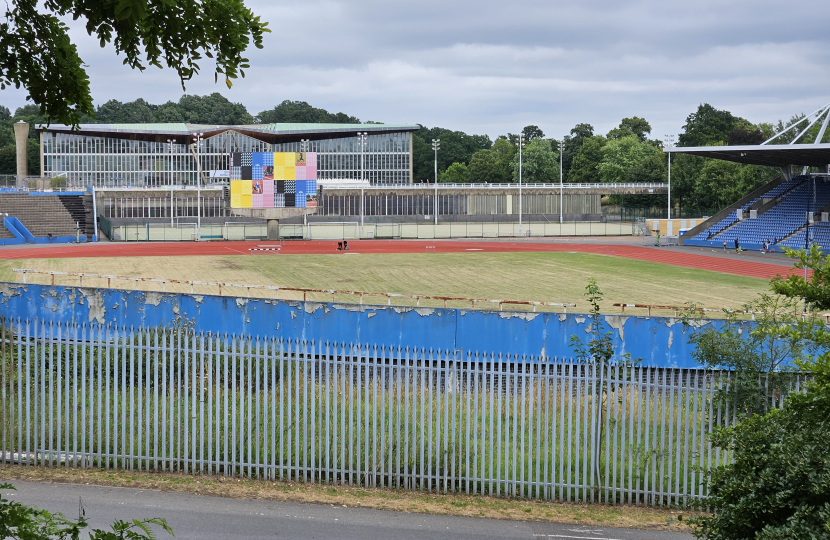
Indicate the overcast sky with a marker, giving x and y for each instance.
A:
(495, 66)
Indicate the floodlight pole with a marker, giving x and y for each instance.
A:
(436, 145)
(561, 180)
(668, 143)
(199, 138)
(171, 142)
(521, 143)
(361, 142)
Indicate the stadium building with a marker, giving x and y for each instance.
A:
(791, 211)
(149, 155)
(148, 177)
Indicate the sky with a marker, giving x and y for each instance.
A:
(493, 67)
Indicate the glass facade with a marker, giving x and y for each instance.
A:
(118, 160)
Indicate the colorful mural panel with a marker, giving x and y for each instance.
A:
(273, 179)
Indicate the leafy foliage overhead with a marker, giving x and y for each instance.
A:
(37, 53)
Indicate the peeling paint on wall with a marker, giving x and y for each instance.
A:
(524, 315)
(311, 307)
(97, 310)
(524, 333)
(7, 291)
(617, 322)
(153, 298)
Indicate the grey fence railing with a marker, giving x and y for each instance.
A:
(319, 412)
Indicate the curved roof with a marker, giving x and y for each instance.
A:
(269, 133)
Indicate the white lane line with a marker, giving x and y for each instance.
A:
(582, 537)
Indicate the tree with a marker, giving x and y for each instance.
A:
(483, 168)
(573, 143)
(540, 163)
(456, 147)
(744, 135)
(213, 109)
(532, 132)
(37, 53)
(628, 159)
(134, 112)
(584, 166)
(706, 127)
(456, 173)
(760, 352)
(301, 112)
(636, 126)
(720, 183)
(776, 485)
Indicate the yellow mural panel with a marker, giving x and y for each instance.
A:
(247, 187)
(246, 201)
(289, 173)
(236, 187)
(236, 200)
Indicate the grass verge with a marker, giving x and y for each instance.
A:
(378, 499)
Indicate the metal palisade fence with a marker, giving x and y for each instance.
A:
(333, 413)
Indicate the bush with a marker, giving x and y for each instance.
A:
(778, 487)
(29, 523)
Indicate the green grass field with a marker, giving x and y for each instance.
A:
(551, 277)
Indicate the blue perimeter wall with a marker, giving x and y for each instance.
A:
(659, 341)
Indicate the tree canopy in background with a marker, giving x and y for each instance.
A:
(625, 154)
(301, 112)
(37, 53)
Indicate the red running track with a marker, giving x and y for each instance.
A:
(669, 256)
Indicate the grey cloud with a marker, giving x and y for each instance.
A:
(493, 67)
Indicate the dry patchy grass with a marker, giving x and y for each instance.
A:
(551, 277)
(379, 499)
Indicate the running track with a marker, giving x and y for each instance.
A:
(668, 256)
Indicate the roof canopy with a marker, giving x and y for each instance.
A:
(268, 133)
(774, 155)
(798, 151)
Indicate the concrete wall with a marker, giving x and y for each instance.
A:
(659, 341)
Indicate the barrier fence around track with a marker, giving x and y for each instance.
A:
(352, 230)
(97, 279)
(89, 396)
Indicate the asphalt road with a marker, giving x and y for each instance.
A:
(193, 516)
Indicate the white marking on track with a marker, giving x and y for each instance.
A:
(568, 536)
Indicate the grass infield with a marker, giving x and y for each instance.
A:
(551, 277)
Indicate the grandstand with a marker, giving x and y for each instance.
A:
(791, 211)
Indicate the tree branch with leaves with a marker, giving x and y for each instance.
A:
(37, 53)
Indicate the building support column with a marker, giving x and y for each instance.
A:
(273, 228)
(21, 138)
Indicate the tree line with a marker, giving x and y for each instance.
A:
(627, 153)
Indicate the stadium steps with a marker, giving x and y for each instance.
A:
(789, 236)
(43, 214)
(754, 198)
(720, 216)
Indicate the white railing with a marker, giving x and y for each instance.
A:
(500, 186)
